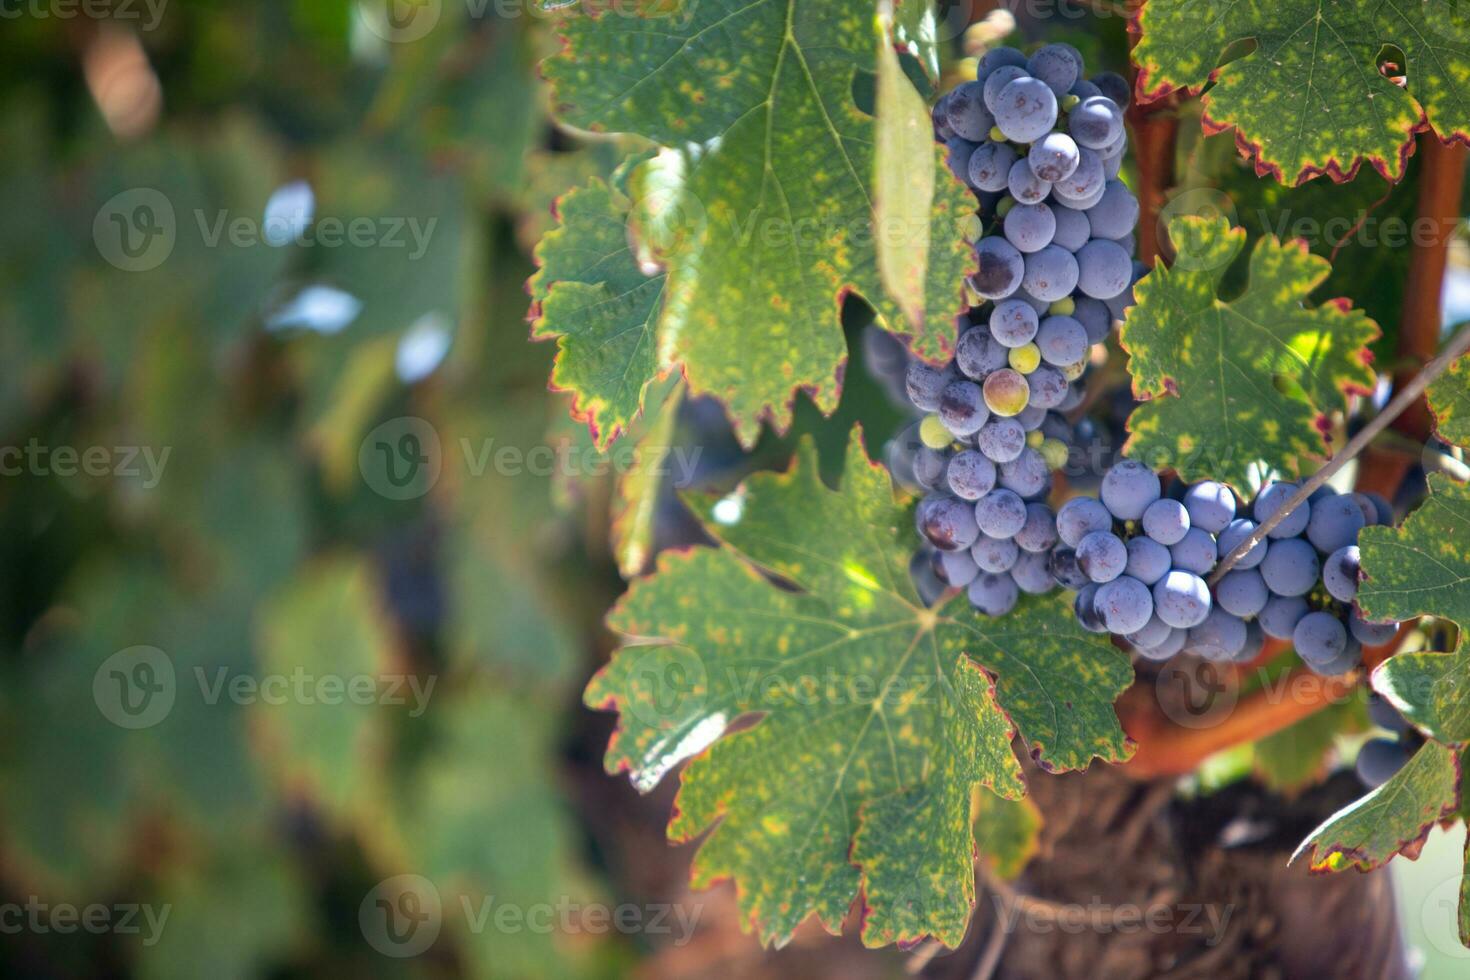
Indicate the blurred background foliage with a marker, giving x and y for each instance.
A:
(263, 543)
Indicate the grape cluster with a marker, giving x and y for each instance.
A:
(1138, 560)
(1041, 147)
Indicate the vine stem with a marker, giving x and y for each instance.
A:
(1406, 397)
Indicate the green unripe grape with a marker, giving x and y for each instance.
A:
(1034, 438)
(934, 434)
(1065, 306)
(1025, 358)
(1070, 102)
(1054, 451)
(1074, 371)
(1006, 392)
(1005, 205)
(996, 136)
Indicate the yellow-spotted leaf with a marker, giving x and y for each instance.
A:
(1225, 384)
(856, 704)
(1393, 819)
(593, 298)
(1449, 400)
(1317, 92)
(1421, 568)
(769, 216)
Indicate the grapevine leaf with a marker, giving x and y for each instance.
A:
(1464, 916)
(1449, 400)
(1008, 833)
(1423, 567)
(903, 180)
(861, 695)
(639, 487)
(327, 624)
(1393, 819)
(1310, 98)
(590, 294)
(772, 224)
(1429, 689)
(1227, 383)
(917, 848)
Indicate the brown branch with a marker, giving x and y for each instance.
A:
(1441, 179)
(1408, 396)
(1167, 749)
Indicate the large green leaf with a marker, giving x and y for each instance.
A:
(591, 295)
(1432, 690)
(771, 223)
(1229, 383)
(1393, 819)
(1309, 99)
(861, 692)
(1449, 400)
(1423, 567)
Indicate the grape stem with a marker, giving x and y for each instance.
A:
(1401, 402)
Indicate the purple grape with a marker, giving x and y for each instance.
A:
(1195, 552)
(1242, 592)
(1080, 517)
(1062, 563)
(1104, 270)
(1281, 614)
(1062, 340)
(1148, 561)
(966, 114)
(1000, 513)
(1053, 157)
(1220, 636)
(1368, 633)
(1319, 638)
(1096, 122)
(1379, 760)
(929, 466)
(1000, 268)
(1072, 228)
(1235, 534)
(993, 595)
(1032, 574)
(1166, 521)
(1025, 110)
(1084, 607)
(994, 555)
(976, 354)
(1128, 488)
(948, 523)
(970, 475)
(1340, 573)
(1024, 185)
(1039, 533)
(997, 80)
(1116, 214)
(1290, 567)
(989, 166)
(925, 385)
(1048, 387)
(1055, 65)
(957, 568)
(1211, 506)
(1094, 316)
(1013, 323)
(1270, 500)
(1182, 599)
(1050, 273)
(1001, 440)
(962, 408)
(1102, 555)
(1124, 604)
(1335, 523)
(1030, 227)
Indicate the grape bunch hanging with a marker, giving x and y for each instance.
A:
(1041, 146)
